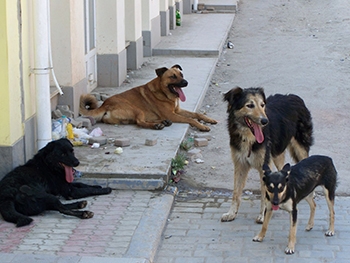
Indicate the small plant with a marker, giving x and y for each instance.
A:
(177, 167)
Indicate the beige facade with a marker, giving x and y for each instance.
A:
(92, 43)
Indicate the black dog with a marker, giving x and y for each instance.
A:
(260, 131)
(32, 188)
(286, 188)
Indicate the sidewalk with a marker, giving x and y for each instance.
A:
(126, 227)
(195, 234)
(128, 224)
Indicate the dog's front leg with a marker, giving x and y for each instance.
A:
(195, 115)
(260, 218)
(184, 116)
(240, 178)
(77, 193)
(261, 235)
(292, 232)
(312, 204)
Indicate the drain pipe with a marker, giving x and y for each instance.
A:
(41, 72)
(195, 6)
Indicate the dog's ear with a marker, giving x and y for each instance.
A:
(177, 66)
(232, 94)
(160, 71)
(262, 93)
(286, 170)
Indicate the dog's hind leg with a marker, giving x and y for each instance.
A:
(330, 203)
(240, 178)
(297, 150)
(10, 214)
(312, 204)
(279, 161)
(156, 125)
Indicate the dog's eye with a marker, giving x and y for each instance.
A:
(262, 105)
(280, 189)
(173, 76)
(250, 106)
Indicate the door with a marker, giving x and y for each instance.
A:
(90, 44)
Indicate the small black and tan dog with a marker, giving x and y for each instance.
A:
(286, 188)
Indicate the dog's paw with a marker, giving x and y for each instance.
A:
(23, 221)
(259, 219)
(212, 121)
(107, 190)
(167, 123)
(309, 227)
(228, 217)
(82, 204)
(289, 250)
(329, 233)
(159, 126)
(204, 128)
(258, 238)
(87, 215)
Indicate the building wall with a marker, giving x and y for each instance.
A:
(16, 86)
(10, 99)
(68, 51)
(110, 42)
(133, 34)
(150, 25)
(126, 32)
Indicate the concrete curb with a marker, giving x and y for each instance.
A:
(147, 236)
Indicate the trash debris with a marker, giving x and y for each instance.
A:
(69, 130)
(95, 145)
(77, 143)
(96, 132)
(247, 194)
(198, 160)
(81, 134)
(118, 150)
(230, 45)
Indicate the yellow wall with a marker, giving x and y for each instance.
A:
(10, 100)
(28, 59)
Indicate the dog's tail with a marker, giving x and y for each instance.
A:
(304, 130)
(89, 107)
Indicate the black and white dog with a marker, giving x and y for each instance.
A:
(286, 188)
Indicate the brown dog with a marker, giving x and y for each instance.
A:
(153, 105)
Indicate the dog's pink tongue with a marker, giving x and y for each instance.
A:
(181, 94)
(69, 173)
(259, 136)
(275, 207)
